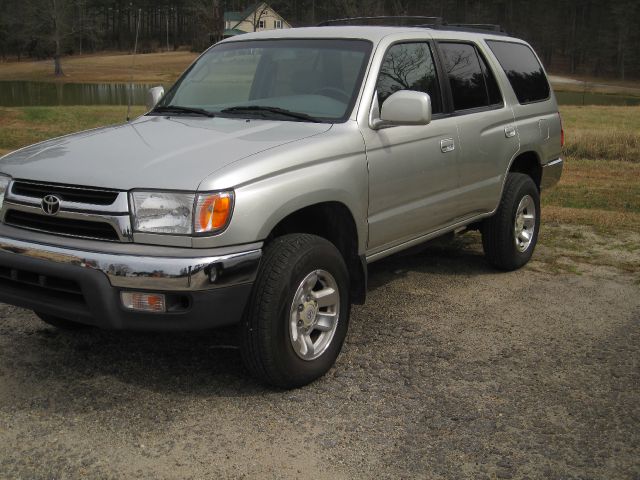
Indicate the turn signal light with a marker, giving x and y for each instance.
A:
(144, 302)
(213, 212)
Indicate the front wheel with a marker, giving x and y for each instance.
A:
(509, 237)
(298, 316)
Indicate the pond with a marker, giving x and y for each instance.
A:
(21, 94)
(590, 98)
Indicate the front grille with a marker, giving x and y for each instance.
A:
(61, 226)
(70, 194)
(59, 285)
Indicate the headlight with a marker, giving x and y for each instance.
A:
(4, 184)
(181, 213)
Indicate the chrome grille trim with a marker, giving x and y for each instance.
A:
(93, 195)
(119, 207)
(115, 215)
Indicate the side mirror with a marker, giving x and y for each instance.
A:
(405, 107)
(153, 96)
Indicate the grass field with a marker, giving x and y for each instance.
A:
(601, 182)
(600, 186)
(160, 68)
(27, 125)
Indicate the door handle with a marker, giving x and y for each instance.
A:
(510, 131)
(447, 145)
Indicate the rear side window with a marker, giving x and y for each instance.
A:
(472, 82)
(522, 69)
(409, 66)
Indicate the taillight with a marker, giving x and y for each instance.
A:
(561, 131)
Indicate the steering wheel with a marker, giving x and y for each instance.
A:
(335, 93)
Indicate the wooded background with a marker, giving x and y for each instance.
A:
(587, 37)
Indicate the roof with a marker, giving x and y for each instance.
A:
(233, 16)
(240, 16)
(371, 33)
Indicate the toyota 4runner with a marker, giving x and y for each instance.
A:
(259, 187)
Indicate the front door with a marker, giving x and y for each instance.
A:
(412, 169)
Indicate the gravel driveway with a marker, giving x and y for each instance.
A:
(451, 370)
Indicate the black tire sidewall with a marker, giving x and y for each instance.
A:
(523, 187)
(266, 347)
(498, 239)
(299, 370)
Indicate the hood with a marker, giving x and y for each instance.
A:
(154, 152)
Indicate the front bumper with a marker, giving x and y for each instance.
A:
(85, 286)
(551, 173)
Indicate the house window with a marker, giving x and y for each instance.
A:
(261, 24)
(277, 24)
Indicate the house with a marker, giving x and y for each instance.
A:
(255, 18)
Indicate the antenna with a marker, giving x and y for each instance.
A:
(133, 60)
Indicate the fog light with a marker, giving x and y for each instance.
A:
(144, 302)
(213, 274)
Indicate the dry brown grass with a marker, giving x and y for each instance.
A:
(597, 186)
(600, 186)
(605, 221)
(160, 68)
(602, 133)
(608, 143)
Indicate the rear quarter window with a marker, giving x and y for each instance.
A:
(523, 70)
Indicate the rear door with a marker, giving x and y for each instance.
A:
(488, 137)
(536, 110)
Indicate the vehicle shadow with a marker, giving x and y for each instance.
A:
(460, 255)
(186, 364)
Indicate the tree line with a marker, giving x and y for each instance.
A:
(589, 37)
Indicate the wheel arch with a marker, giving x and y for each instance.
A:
(335, 222)
(528, 162)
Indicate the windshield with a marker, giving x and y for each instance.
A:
(318, 80)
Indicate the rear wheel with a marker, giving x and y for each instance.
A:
(509, 237)
(58, 322)
(298, 315)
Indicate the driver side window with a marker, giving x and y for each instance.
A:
(409, 66)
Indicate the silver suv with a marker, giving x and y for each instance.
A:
(260, 186)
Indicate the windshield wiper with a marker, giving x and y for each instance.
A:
(180, 109)
(276, 110)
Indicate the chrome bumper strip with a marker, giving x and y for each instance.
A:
(148, 272)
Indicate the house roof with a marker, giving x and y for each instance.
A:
(233, 16)
(240, 16)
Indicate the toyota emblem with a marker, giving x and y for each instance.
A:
(50, 205)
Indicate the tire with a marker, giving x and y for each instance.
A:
(504, 235)
(273, 333)
(60, 323)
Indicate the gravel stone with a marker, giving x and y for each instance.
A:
(451, 370)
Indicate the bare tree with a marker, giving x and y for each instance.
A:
(56, 21)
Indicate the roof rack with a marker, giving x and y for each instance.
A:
(384, 21)
(472, 27)
(435, 23)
